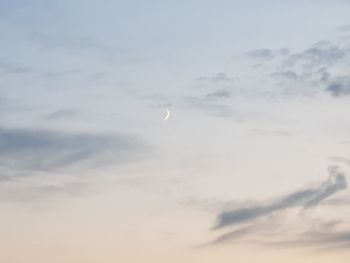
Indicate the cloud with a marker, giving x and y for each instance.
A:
(319, 77)
(329, 238)
(13, 68)
(219, 94)
(23, 151)
(285, 74)
(266, 54)
(310, 71)
(321, 54)
(233, 235)
(216, 88)
(24, 192)
(269, 228)
(38, 164)
(324, 239)
(61, 114)
(304, 198)
(220, 77)
(261, 53)
(335, 183)
(339, 87)
(344, 29)
(261, 225)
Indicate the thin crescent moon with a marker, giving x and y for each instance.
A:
(167, 115)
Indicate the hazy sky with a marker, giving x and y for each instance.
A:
(252, 165)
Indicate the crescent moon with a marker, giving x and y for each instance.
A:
(167, 115)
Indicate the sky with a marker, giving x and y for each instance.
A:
(252, 164)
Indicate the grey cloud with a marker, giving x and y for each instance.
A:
(344, 28)
(218, 86)
(318, 55)
(336, 238)
(319, 76)
(335, 183)
(232, 235)
(25, 150)
(326, 234)
(304, 198)
(261, 53)
(266, 54)
(220, 77)
(62, 73)
(61, 114)
(286, 74)
(219, 94)
(325, 239)
(339, 87)
(13, 68)
(266, 228)
(323, 74)
(313, 68)
(328, 225)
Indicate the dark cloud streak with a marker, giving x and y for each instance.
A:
(41, 150)
(219, 94)
(304, 198)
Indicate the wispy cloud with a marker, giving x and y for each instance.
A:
(220, 77)
(266, 54)
(324, 239)
(304, 198)
(61, 114)
(41, 150)
(7, 67)
(320, 54)
(219, 94)
(318, 68)
(245, 219)
(344, 28)
(24, 192)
